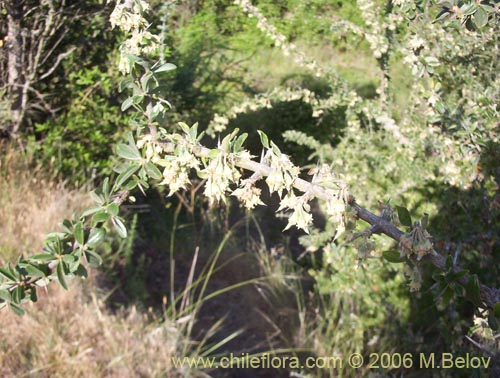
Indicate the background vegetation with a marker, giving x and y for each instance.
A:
(407, 115)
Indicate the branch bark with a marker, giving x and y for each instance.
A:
(489, 296)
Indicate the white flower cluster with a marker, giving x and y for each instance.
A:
(218, 124)
(266, 100)
(401, 2)
(301, 211)
(128, 16)
(220, 173)
(389, 124)
(415, 277)
(248, 194)
(375, 34)
(289, 49)
(283, 172)
(335, 206)
(261, 101)
(416, 242)
(176, 166)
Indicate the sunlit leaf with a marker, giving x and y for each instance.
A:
(404, 216)
(61, 275)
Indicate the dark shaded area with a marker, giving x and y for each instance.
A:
(467, 228)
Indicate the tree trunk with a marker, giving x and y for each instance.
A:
(15, 74)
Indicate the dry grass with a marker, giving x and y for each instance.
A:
(72, 334)
(32, 205)
(68, 334)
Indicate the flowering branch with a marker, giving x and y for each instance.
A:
(489, 296)
(170, 157)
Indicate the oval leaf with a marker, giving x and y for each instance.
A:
(79, 234)
(18, 310)
(166, 67)
(496, 310)
(60, 275)
(152, 171)
(100, 217)
(96, 237)
(93, 258)
(113, 209)
(127, 152)
(5, 296)
(124, 176)
(404, 216)
(120, 227)
(392, 256)
(263, 139)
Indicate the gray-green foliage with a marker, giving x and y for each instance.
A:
(435, 147)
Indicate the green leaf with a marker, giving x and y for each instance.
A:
(96, 237)
(493, 322)
(131, 184)
(437, 276)
(5, 296)
(137, 99)
(496, 310)
(8, 274)
(32, 270)
(127, 103)
(16, 309)
(60, 275)
(152, 171)
(184, 127)
(213, 153)
(127, 152)
(449, 263)
(125, 83)
(17, 294)
(145, 80)
(68, 258)
(113, 209)
(470, 9)
(91, 211)
(440, 290)
(404, 216)
(33, 296)
(448, 295)
(120, 227)
(81, 271)
(165, 67)
(392, 256)
(276, 149)
(97, 198)
(45, 257)
(93, 258)
(79, 233)
(100, 217)
(458, 275)
(193, 132)
(460, 290)
(480, 17)
(124, 176)
(105, 187)
(66, 224)
(473, 291)
(71, 261)
(431, 61)
(445, 13)
(239, 142)
(263, 139)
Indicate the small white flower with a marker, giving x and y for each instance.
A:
(249, 195)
